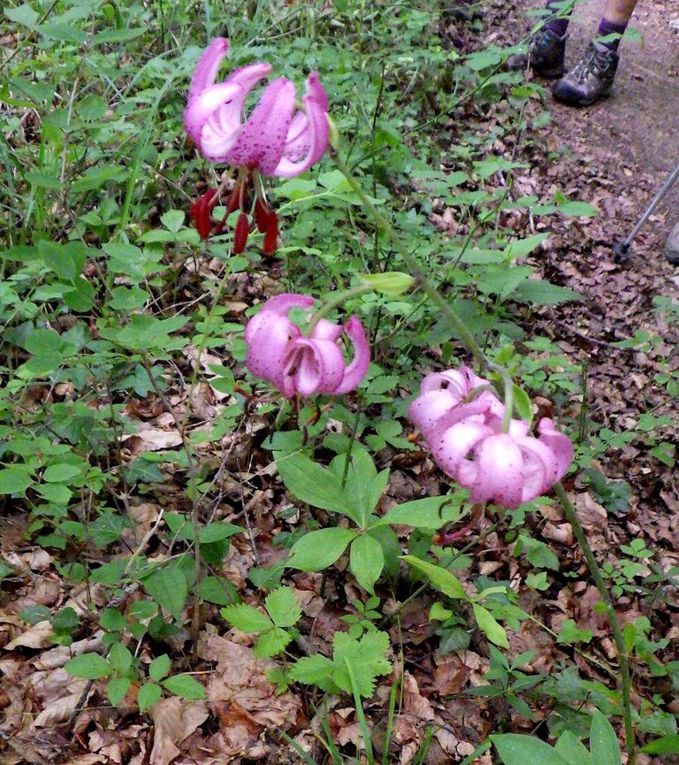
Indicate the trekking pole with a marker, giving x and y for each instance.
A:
(621, 249)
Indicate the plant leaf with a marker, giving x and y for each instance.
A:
(317, 550)
(603, 741)
(283, 607)
(246, 618)
(439, 577)
(517, 749)
(185, 686)
(366, 561)
(88, 666)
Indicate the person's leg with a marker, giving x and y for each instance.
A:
(547, 48)
(559, 17)
(616, 16)
(592, 77)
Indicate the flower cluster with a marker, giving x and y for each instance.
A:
(461, 419)
(295, 363)
(277, 139)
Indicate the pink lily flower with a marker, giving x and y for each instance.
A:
(277, 139)
(279, 353)
(468, 444)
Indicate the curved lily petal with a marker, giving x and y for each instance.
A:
(200, 108)
(208, 66)
(560, 445)
(309, 132)
(539, 467)
(499, 476)
(426, 410)
(312, 366)
(358, 368)
(452, 447)
(262, 139)
(475, 411)
(327, 330)
(279, 305)
(268, 342)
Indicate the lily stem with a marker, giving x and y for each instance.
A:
(337, 299)
(623, 659)
(416, 271)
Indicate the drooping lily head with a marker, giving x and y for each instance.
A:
(304, 364)
(277, 139)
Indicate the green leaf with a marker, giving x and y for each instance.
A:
(366, 561)
(185, 686)
(487, 623)
(314, 670)
(120, 658)
(367, 658)
(117, 35)
(283, 607)
(522, 404)
(317, 550)
(246, 618)
(439, 577)
(664, 745)
(22, 14)
(572, 749)
(271, 643)
(88, 666)
(169, 588)
(173, 220)
(61, 473)
(390, 283)
(540, 292)
(215, 589)
(160, 667)
(218, 530)
(309, 482)
(603, 742)
(112, 620)
(148, 694)
(117, 688)
(14, 480)
(427, 513)
(517, 749)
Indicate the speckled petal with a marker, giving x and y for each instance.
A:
(452, 447)
(499, 478)
(200, 108)
(312, 366)
(308, 134)
(560, 445)
(428, 408)
(358, 368)
(262, 139)
(207, 67)
(327, 330)
(539, 467)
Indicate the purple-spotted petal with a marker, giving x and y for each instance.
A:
(262, 139)
(308, 135)
(207, 67)
(358, 368)
(452, 447)
(499, 477)
(268, 336)
(560, 444)
(200, 108)
(539, 467)
(426, 410)
(312, 366)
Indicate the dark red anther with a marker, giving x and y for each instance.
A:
(271, 234)
(200, 212)
(233, 202)
(240, 236)
(262, 213)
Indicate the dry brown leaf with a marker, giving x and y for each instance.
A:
(174, 720)
(58, 656)
(148, 439)
(60, 710)
(37, 636)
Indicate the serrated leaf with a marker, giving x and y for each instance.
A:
(517, 749)
(159, 667)
(271, 643)
(148, 694)
(88, 666)
(120, 658)
(603, 741)
(439, 577)
(22, 14)
(116, 689)
(246, 618)
(317, 550)
(14, 480)
(169, 588)
(185, 686)
(314, 670)
(173, 220)
(283, 607)
(367, 658)
(490, 627)
(215, 589)
(366, 561)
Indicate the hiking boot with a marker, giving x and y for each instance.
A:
(672, 246)
(590, 79)
(546, 53)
